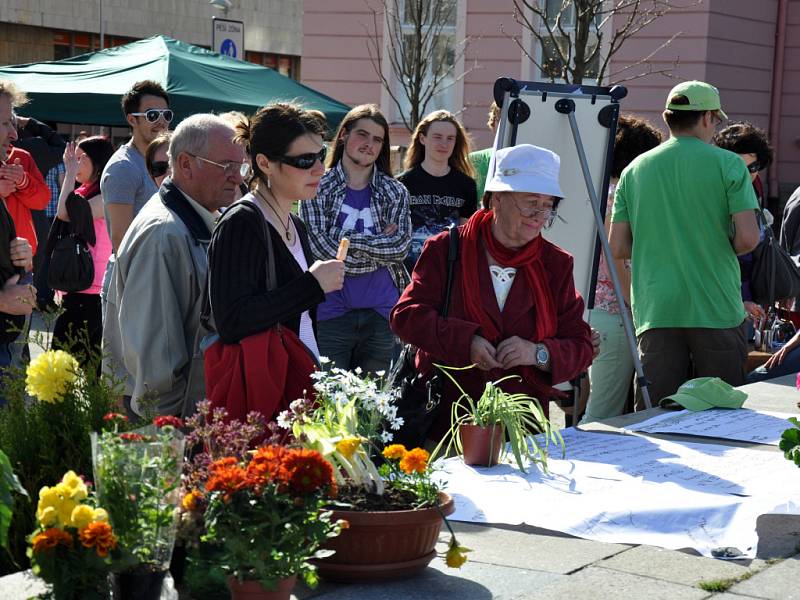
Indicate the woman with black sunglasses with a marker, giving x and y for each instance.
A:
(156, 158)
(260, 233)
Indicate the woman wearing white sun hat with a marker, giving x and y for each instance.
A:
(513, 308)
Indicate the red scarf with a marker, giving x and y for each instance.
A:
(527, 259)
(89, 190)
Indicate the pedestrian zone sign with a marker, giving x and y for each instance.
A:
(228, 37)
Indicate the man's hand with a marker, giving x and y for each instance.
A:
(17, 299)
(515, 352)
(14, 173)
(21, 253)
(754, 310)
(390, 229)
(482, 354)
(7, 187)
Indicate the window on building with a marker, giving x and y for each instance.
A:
(73, 43)
(285, 65)
(549, 58)
(437, 40)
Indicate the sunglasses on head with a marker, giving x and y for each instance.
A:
(305, 161)
(159, 168)
(754, 167)
(154, 114)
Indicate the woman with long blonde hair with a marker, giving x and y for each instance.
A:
(439, 178)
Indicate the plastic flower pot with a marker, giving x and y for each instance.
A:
(253, 590)
(481, 445)
(141, 583)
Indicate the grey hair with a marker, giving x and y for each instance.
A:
(192, 135)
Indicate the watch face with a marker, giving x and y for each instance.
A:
(542, 355)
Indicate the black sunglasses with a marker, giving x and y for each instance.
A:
(754, 167)
(305, 161)
(154, 114)
(159, 168)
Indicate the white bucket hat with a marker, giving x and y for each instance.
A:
(526, 168)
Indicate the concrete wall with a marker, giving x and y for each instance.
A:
(270, 25)
(22, 44)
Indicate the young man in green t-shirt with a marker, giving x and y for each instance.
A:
(682, 212)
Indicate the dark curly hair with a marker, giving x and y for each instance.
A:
(745, 138)
(634, 137)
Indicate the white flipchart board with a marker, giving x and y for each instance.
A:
(575, 228)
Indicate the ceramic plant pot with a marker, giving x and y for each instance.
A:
(253, 590)
(481, 445)
(381, 545)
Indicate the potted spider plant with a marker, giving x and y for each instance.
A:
(479, 427)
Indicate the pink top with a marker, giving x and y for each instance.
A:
(100, 252)
(604, 296)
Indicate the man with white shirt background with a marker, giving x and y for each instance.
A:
(359, 199)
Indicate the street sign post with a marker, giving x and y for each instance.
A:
(227, 37)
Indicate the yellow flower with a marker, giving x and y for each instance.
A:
(394, 451)
(348, 446)
(47, 509)
(74, 487)
(456, 554)
(99, 515)
(191, 501)
(415, 460)
(50, 374)
(81, 516)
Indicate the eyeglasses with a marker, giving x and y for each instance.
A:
(754, 167)
(154, 114)
(305, 161)
(159, 168)
(534, 211)
(230, 168)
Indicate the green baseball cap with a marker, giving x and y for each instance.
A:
(706, 392)
(701, 96)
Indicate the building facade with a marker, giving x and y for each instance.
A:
(37, 30)
(750, 51)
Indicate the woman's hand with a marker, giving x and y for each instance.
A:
(482, 354)
(778, 357)
(515, 352)
(596, 338)
(21, 253)
(329, 274)
(754, 310)
(70, 161)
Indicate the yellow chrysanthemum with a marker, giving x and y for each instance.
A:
(348, 446)
(47, 509)
(99, 515)
(74, 487)
(49, 375)
(81, 516)
(394, 451)
(456, 554)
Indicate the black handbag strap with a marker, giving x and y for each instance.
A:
(452, 258)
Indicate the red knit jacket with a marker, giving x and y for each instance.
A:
(34, 196)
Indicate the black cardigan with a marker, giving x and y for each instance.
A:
(237, 266)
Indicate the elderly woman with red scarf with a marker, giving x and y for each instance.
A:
(513, 308)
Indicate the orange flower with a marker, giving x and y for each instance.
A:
(265, 464)
(305, 471)
(50, 538)
(226, 476)
(192, 501)
(415, 460)
(98, 535)
(394, 451)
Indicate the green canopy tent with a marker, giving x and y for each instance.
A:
(87, 88)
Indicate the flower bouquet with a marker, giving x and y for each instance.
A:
(73, 544)
(395, 512)
(266, 512)
(138, 481)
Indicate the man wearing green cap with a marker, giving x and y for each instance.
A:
(682, 212)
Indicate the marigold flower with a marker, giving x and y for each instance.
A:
(165, 420)
(81, 516)
(131, 437)
(305, 471)
(456, 554)
(50, 374)
(100, 536)
(415, 460)
(191, 501)
(348, 446)
(57, 503)
(50, 538)
(228, 477)
(394, 451)
(265, 464)
(74, 486)
(112, 416)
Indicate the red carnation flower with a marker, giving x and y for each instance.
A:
(168, 420)
(112, 416)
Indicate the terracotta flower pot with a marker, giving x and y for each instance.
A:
(384, 545)
(481, 445)
(253, 590)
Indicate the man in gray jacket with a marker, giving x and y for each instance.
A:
(153, 321)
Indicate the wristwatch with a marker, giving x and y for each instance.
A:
(542, 356)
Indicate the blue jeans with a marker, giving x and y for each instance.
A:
(359, 338)
(790, 364)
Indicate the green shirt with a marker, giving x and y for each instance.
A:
(678, 199)
(480, 162)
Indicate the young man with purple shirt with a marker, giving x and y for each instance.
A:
(359, 199)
